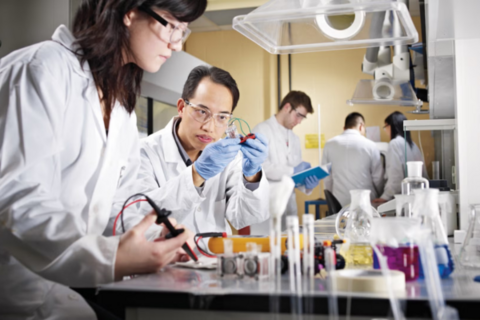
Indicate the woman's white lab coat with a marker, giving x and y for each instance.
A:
(395, 165)
(284, 154)
(168, 181)
(59, 174)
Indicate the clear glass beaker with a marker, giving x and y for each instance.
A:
(414, 179)
(394, 239)
(469, 255)
(426, 208)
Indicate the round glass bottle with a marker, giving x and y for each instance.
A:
(414, 179)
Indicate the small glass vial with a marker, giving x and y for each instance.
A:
(414, 180)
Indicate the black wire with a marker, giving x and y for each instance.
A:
(123, 207)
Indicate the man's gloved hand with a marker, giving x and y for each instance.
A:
(254, 154)
(216, 156)
(311, 182)
(301, 167)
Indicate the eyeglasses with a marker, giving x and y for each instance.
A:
(177, 33)
(298, 114)
(202, 115)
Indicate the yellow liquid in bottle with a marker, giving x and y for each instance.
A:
(359, 256)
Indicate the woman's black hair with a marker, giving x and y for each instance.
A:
(103, 41)
(395, 121)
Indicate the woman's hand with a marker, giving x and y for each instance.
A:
(135, 254)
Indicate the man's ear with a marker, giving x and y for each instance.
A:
(181, 107)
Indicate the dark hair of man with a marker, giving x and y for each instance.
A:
(296, 99)
(353, 120)
(216, 75)
(395, 121)
(103, 41)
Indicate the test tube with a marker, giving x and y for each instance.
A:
(294, 263)
(275, 247)
(308, 246)
(331, 289)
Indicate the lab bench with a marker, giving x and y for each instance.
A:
(199, 294)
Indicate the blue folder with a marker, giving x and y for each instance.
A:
(299, 178)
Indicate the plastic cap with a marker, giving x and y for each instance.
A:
(414, 168)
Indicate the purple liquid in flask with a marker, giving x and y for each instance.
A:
(404, 258)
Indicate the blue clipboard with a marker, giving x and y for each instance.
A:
(319, 172)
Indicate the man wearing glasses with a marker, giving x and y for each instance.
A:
(284, 149)
(190, 170)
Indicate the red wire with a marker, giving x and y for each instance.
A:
(118, 215)
(201, 251)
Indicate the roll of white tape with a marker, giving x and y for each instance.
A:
(355, 280)
(327, 25)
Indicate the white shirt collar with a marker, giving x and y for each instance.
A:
(352, 131)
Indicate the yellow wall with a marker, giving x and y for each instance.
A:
(329, 78)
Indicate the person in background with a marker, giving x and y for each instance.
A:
(68, 142)
(284, 149)
(356, 162)
(190, 170)
(395, 162)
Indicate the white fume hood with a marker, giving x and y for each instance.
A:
(294, 26)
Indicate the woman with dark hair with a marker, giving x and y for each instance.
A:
(395, 168)
(68, 146)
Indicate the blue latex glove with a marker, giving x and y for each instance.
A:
(301, 167)
(311, 182)
(216, 156)
(255, 152)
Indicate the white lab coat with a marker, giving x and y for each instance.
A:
(395, 165)
(59, 173)
(166, 179)
(356, 164)
(284, 154)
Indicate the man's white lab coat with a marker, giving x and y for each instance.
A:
(59, 176)
(284, 154)
(395, 168)
(355, 163)
(166, 179)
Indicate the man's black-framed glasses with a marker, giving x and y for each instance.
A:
(298, 114)
(177, 32)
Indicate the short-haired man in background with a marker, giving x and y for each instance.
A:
(190, 170)
(284, 149)
(355, 160)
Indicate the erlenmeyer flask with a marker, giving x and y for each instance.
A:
(357, 232)
(427, 209)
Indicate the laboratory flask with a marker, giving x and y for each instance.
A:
(393, 238)
(426, 208)
(404, 205)
(414, 179)
(469, 255)
(357, 221)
